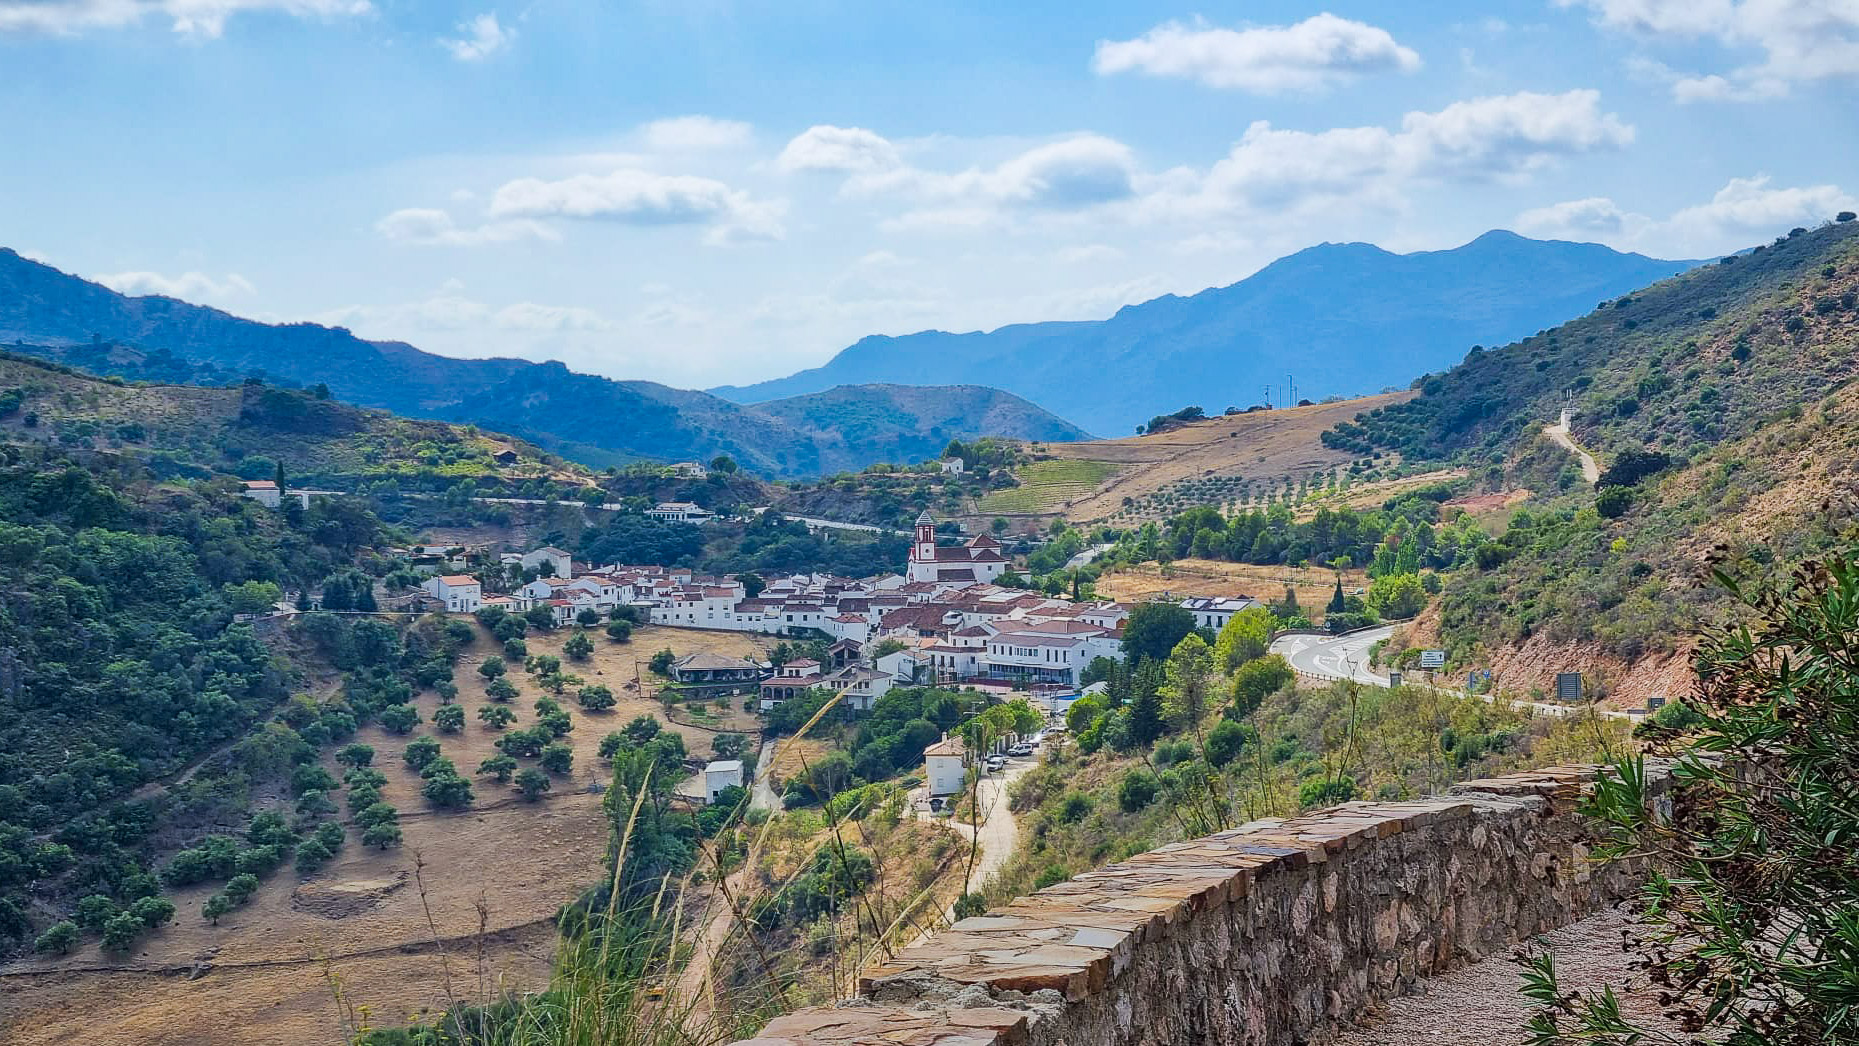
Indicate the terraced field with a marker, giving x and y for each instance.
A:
(1047, 486)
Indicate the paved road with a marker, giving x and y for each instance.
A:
(762, 792)
(1560, 433)
(1346, 657)
(1339, 657)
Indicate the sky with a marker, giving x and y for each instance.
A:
(707, 192)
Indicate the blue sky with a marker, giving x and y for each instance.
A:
(710, 192)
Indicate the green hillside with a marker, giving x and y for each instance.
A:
(249, 429)
(1722, 408)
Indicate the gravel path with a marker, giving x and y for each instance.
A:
(1481, 1004)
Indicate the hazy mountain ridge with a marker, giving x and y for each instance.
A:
(591, 418)
(1341, 318)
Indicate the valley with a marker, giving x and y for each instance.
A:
(445, 788)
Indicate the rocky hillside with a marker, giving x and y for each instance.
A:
(1343, 318)
(592, 419)
(1722, 408)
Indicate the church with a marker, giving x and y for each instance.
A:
(978, 562)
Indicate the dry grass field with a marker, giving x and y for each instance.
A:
(1268, 445)
(463, 905)
(1208, 577)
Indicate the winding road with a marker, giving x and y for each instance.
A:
(1560, 433)
(1334, 657)
(1345, 657)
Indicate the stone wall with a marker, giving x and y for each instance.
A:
(1274, 932)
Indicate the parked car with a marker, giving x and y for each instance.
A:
(996, 763)
(1023, 748)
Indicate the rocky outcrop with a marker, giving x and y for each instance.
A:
(1277, 931)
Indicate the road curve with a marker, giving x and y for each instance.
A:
(1345, 657)
(1560, 433)
(1334, 657)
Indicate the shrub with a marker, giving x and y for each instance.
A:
(1074, 808)
(1224, 742)
(557, 759)
(449, 719)
(152, 912)
(400, 719)
(420, 752)
(381, 836)
(970, 905)
(596, 698)
(1136, 791)
(1326, 791)
(59, 937)
(121, 932)
(533, 783)
(311, 855)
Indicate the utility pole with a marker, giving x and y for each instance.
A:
(1266, 391)
(1290, 392)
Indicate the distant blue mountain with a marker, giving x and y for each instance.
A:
(1341, 318)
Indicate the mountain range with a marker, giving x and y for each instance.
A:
(595, 420)
(1341, 319)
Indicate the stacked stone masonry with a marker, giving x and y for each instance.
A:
(1280, 931)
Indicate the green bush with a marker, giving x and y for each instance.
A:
(1135, 791)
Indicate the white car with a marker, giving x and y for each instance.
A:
(1023, 748)
(996, 763)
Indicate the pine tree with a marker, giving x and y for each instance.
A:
(1145, 709)
(1337, 605)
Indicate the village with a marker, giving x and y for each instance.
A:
(944, 621)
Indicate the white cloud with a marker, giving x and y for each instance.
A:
(428, 227)
(479, 38)
(1318, 52)
(1742, 213)
(1800, 40)
(635, 197)
(1749, 207)
(205, 19)
(1497, 138)
(692, 133)
(188, 286)
(1746, 85)
(1071, 174)
(846, 149)
(1595, 217)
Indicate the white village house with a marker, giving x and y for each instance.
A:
(461, 593)
(945, 766)
(679, 512)
(724, 773)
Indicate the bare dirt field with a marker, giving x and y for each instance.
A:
(266, 972)
(1208, 577)
(1264, 445)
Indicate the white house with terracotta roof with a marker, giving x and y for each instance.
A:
(945, 766)
(977, 562)
(461, 593)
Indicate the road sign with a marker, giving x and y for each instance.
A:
(1653, 704)
(1432, 659)
(1568, 686)
(1394, 679)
